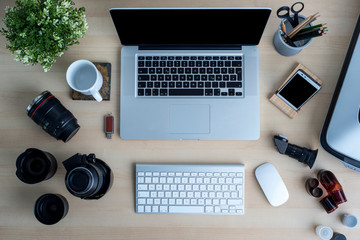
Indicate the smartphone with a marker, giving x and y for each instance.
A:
(298, 90)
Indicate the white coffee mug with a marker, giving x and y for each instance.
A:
(83, 77)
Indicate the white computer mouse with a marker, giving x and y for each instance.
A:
(272, 184)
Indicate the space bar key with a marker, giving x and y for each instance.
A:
(186, 92)
(186, 209)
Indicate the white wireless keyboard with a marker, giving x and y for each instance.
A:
(190, 188)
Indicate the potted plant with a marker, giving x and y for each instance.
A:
(39, 31)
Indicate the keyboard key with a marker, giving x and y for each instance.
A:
(163, 209)
(236, 64)
(141, 84)
(141, 92)
(186, 209)
(147, 92)
(186, 92)
(143, 77)
(155, 92)
(142, 70)
(163, 92)
(234, 84)
(208, 92)
(143, 194)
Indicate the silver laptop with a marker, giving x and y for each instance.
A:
(190, 74)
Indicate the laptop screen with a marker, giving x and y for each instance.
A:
(190, 26)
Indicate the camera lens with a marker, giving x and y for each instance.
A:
(50, 208)
(87, 177)
(83, 181)
(47, 111)
(34, 166)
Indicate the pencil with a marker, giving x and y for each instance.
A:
(309, 35)
(283, 28)
(302, 25)
(305, 38)
(299, 34)
(312, 27)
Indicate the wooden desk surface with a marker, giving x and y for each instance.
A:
(113, 216)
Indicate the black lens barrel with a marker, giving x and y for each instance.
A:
(50, 208)
(34, 166)
(48, 112)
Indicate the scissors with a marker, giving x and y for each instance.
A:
(285, 10)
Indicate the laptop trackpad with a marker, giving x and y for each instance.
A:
(189, 118)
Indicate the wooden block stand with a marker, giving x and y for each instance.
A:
(283, 106)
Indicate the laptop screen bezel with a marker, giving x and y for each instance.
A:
(126, 42)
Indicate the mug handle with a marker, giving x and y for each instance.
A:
(97, 96)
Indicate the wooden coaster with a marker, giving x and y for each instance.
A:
(283, 106)
(105, 70)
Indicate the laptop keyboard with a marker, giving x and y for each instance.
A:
(190, 75)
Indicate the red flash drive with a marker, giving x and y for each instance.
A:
(109, 125)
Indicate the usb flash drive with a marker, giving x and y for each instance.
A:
(109, 125)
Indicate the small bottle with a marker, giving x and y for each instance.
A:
(349, 220)
(332, 186)
(338, 236)
(328, 204)
(324, 232)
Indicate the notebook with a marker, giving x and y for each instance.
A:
(189, 74)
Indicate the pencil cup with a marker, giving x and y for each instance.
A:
(284, 48)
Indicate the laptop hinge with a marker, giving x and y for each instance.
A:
(190, 47)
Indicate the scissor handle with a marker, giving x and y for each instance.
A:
(286, 14)
(286, 11)
(298, 11)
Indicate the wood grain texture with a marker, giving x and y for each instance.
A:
(113, 216)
